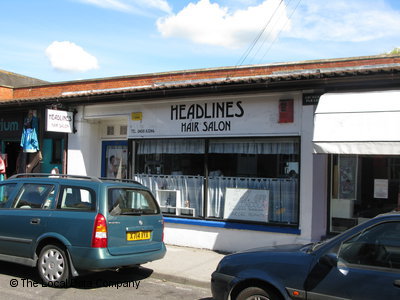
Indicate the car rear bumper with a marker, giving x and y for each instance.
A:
(221, 285)
(93, 259)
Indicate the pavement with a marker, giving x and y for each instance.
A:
(186, 265)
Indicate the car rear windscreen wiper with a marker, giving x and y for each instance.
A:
(134, 212)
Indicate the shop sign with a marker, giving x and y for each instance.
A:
(207, 118)
(11, 125)
(59, 120)
(311, 99)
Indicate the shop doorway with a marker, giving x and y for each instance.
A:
(12, 149)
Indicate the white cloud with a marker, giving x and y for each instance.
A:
(209, 23)
(67, 56)
(345, 21)
(132, 6)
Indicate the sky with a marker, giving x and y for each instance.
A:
(64, 40)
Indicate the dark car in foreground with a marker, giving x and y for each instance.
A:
(65, 225)
(361, 263)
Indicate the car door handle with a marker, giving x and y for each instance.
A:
(396, 282)
(35, 221)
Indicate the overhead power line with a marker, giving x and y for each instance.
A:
(247, 52)
(283, 27)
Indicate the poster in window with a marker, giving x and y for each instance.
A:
(246, 204)
(381, 188)
(116, 157)
(348, 172)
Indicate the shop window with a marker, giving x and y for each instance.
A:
(110, 130)
(123, 130)
(252, 180)
(361, 188)
(174, 171)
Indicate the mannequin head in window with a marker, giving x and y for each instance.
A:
(28, 120)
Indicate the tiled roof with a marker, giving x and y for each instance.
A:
(282, 75)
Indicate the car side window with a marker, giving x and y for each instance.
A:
(377, 246)
(34, 195)
(77, 198)
(5, 192)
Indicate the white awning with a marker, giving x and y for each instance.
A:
(358, 123)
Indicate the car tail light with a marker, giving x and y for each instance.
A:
(99, 239)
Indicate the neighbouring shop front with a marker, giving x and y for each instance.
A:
(360, 133)
(30, 143)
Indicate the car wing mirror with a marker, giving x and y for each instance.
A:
(330, 259)
(320, 270)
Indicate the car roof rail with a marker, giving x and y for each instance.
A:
(120, 179)
(21, 175)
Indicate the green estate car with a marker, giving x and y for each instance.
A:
(65, 224)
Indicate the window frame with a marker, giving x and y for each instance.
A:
(137, 169)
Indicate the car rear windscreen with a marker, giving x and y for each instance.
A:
(124, 201)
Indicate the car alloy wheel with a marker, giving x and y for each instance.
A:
(53, 266)
(255, 293)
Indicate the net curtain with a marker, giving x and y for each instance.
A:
(283, 205)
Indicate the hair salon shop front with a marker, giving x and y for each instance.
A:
(225, 169)
(240, 171)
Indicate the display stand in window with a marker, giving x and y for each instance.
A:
(171, 203)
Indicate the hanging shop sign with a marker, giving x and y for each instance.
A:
(222, 117)
(59, 120)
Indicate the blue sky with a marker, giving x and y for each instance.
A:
(62, 40)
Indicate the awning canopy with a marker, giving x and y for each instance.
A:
(358, 123)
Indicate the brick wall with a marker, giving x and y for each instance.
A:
(6, 93)
(56, 89)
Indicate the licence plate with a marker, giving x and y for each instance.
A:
(138, 235)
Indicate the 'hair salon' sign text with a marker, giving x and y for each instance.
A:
(215, 116)
(206, 118)
(59, 121)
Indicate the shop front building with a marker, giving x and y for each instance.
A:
(28, 145)
(363, 151)
(253, 159)
(226, 170)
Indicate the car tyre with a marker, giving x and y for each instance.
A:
(255, 293)
(53, 266)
